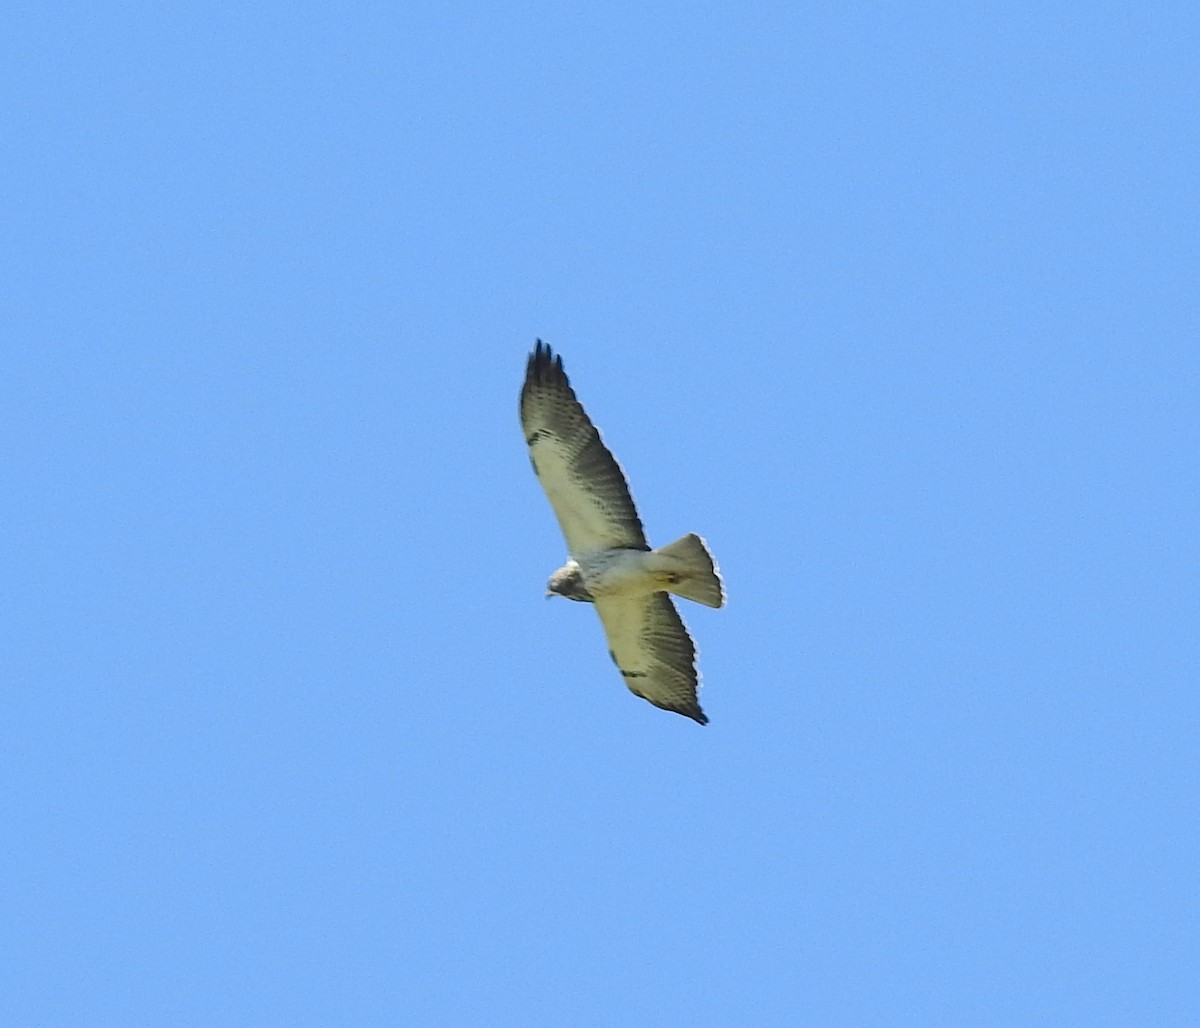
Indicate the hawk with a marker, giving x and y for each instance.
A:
(611, 565)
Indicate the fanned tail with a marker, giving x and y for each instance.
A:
(689, 571)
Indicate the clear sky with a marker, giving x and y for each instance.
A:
(896, 304)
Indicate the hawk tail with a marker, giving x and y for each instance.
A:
(689, 571)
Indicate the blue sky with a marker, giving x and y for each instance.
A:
(895, 304)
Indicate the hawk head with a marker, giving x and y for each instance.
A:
(568, 581)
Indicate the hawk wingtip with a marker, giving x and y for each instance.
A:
(543, 362)
(694, 712)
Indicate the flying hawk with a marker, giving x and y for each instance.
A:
(611, 564)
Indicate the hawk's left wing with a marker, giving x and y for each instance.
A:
(582, 479)
(653, 651)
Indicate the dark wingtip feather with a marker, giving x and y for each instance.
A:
(544, 366)
(693, 711)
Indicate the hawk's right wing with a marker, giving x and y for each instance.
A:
(653, 651)
(586, 486)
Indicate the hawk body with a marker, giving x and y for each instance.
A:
(611, 564)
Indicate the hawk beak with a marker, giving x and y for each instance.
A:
(548, 594)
